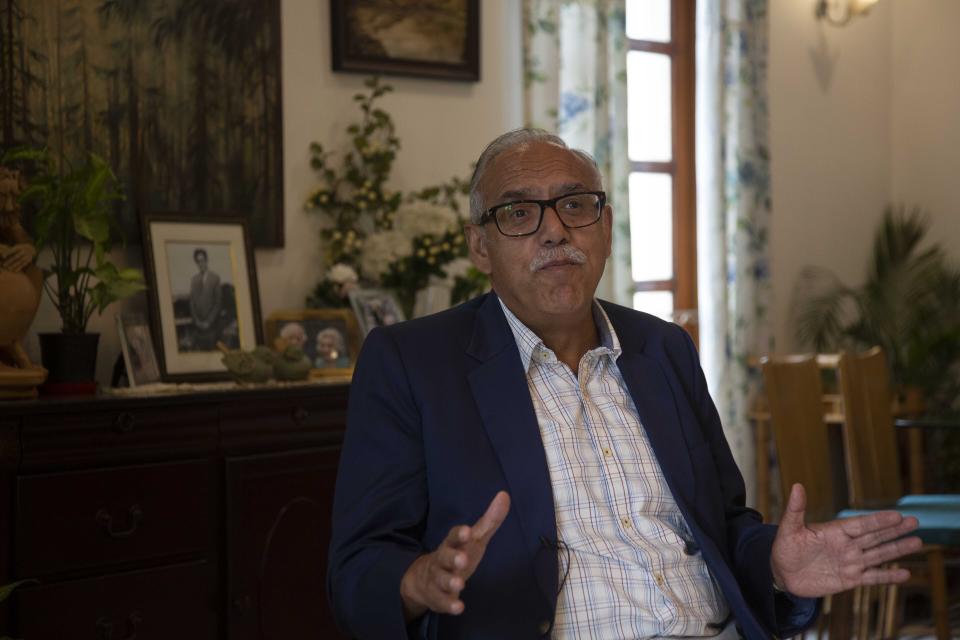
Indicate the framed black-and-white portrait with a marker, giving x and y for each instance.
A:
(375, 308)
(429, 39)
(203, 292)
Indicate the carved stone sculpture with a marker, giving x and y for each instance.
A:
(21, 284)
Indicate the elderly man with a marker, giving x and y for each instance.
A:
(537, 463)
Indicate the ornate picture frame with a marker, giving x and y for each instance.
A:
(375, 308)
(136, 346)
(434, 39)
(330, 338)
(202, 281)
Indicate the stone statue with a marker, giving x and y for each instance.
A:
(21, 284)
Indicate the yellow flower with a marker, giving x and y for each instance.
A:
(431, 260)
(337, 235)
(427, 241)
(421, 253)
(362, 205)
(446, 246)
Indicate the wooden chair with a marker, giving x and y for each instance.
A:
(873, 478)
(794, 400)
(794, 395)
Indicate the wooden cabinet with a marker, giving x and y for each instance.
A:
(188, 516)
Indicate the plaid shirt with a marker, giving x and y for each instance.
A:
(632, 569)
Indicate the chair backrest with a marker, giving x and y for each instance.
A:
(795, 396)
(869, 440)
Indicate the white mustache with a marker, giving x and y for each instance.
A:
(563, 252)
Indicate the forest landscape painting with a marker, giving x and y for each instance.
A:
(182, 98)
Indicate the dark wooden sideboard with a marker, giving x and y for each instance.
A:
(201, 515)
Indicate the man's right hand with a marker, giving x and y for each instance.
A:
(434, 580)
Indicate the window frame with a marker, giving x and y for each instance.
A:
(682, 167)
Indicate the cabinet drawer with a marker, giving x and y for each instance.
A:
(171, 602)
(129, 432)
(283, 423)
(77, 520)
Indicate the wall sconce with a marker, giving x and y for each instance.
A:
(839, 12)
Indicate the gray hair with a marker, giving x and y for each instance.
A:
(508, 141)
(339, 340)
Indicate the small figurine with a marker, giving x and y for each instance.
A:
(244, 366)
(21, 284)
(290, 363)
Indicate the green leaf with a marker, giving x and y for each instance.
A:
(7, 589)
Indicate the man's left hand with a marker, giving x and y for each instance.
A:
(820, 559)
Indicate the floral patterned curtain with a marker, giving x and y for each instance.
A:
(575, 81)
(733, 209)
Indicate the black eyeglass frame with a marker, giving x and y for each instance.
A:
(491, 213)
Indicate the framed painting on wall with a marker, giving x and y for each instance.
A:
(181, 98)
(203, 292)
(429, 39)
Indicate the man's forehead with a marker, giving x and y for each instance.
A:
(534, 168)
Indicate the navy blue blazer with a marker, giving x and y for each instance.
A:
(440, 419)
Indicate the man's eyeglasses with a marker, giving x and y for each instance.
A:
(524, 217)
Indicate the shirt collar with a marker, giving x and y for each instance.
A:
(531, 347)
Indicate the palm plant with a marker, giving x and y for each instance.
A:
(909, 305)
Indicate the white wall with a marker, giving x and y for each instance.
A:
(442, 127)
(926, 113)
(883, 129)
(829, 92)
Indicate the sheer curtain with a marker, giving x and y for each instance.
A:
(575, 85)
(733, 210)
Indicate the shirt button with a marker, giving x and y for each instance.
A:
(659, 579)
(607, 453)
(626, 522)
(543, 627)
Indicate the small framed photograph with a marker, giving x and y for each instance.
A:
(438, 40)
(203, 292)
(375, 308)
(329, 338)
(136, 345)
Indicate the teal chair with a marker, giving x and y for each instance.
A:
(874, 481)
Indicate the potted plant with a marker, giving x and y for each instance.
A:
(74, 220)
(909, 305)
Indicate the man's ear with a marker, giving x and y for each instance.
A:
(477, 244)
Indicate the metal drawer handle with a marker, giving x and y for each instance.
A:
(123, 423)
(300, 415)
(105, 627)
(134, 515)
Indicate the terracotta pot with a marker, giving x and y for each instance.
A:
(20, 293)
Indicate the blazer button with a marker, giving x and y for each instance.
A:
(543, 627)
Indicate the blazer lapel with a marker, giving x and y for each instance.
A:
(654, 400)
(500, 389)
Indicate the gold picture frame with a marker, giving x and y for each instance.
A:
(330, 338)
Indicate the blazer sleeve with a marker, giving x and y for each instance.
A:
(750, 542)
(380, 501)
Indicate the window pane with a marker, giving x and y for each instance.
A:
(659, 303)
(651, 226)
(648, 106)
(648, 20)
